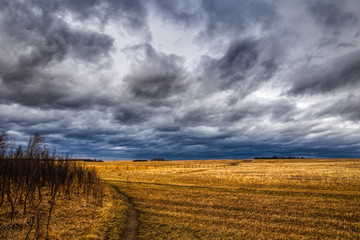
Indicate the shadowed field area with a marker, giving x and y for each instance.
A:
(232, 199)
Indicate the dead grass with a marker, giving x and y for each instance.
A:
(261, 199)
(72, 219)
(115, 228)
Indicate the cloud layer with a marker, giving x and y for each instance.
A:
(182, 79)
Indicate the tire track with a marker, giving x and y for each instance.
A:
(131, 223)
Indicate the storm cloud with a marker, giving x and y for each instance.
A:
(182, 79)
(155, 75)
(332, 14)
(331, 76)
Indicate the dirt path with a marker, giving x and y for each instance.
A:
(131, 223)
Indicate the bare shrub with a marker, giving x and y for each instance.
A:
(26, 176)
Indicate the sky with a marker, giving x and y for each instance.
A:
(182, 79)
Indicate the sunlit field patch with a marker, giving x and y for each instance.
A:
(235, 199)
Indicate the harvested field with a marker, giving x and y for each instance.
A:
(234, 199)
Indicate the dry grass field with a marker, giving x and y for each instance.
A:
(235, 199)
(45, 196)
(74, 218)
(210, 199)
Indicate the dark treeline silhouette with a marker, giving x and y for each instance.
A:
(158, 159)
(87, 160)
(278, 157)
(145, 160)
(32, 178)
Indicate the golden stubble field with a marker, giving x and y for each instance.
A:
(237, 199)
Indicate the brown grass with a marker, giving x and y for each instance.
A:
(214, 199)
(45, 196)
(261, 199)
(76, 218)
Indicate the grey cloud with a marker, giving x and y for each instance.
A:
(270, 67)
(335, 18)
(131, 14)
(348, 108)
(198, 117)
(131, 113)
(183, 12)
(239, 57)
(245, 65)
(90, 134)
(242, 111)
(235, 17)
(332, 13)
(47, 90)
(345, 45)
(43, 43)
(280, 111)
(170, 128)
(56, 45)
(49, 37)
(156, 75)
(19, 115)
(339, 73)
(230, 18)
(233, 66)
(57, 76)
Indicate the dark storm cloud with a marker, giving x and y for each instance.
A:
(198, 116)
(245, 65)
(90, 76)
(235, 17)
(185, 145)
(230, 18)
(132, 14)
(89, 134)
(45, 41)
(156, 75)
(213, 121)
(50, 91)
(337, 74)
(332, 13)
(170, 128)
(282, 110)
(239, 58)
(54, 47)
(184, 12)
(336, 19)
(279, 110)
(131, 113)
(348, 108)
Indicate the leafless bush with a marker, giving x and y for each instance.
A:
(25, 175)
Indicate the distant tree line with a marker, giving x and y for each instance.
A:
(86, 160)
(278, 157)
(145, 160)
